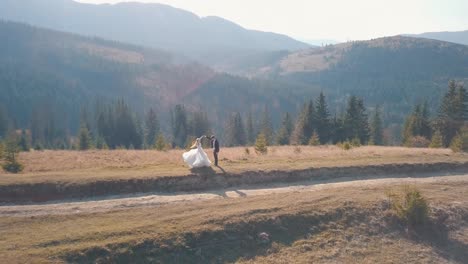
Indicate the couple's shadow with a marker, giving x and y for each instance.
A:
(207, 170)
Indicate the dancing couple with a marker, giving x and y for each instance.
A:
(196, 157)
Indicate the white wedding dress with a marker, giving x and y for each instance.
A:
(196, 158)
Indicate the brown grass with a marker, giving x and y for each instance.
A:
(72, 166)
(350, 229)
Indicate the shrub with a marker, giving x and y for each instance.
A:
(297, 150)
(261, 145)
(247, 151)
(345, 145)
(356, 142)
(410, 206)
(13, 167)
(418, 142)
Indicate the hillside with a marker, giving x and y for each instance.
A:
(460, 37)
(395, 71)
(208, 39)
(64, 72)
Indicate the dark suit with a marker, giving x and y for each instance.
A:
(215, 147)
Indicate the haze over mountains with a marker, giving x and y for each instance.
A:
(41, 67)
(460, 37)
(153, 25)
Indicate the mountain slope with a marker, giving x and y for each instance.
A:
(394, 72)
(460, 37)
(41, 67)
(153, 25)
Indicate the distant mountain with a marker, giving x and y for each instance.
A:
(207, 39)
(394, 72)
(460, 37)
(44, 69)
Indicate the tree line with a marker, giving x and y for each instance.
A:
(115, 125)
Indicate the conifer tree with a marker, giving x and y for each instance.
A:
(437, 140)
(266, 126)
(376, 128)
(314, 140)
(261, 144)
(322, 119)
(160, 143)
(152, 127)
(356, 123)
(3, 124)
(250, 129)
(84, 138)
(23, 142)
(199, 124)
(452, 112)
(235, 132)
(10, 152)
(179, 125)
(305, 124)
(285, 131)
(417, 124)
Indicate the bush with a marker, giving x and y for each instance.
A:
(247, 151)
(261, 145)
(410, 206)
(345, 145)
(297, 150)
(13, 167)
(418, 142)
(356, 142)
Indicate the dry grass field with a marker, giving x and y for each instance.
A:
(85, 166)
(346, 225)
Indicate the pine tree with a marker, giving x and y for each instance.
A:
(285, 131)
(160, 143)
(10, 152)
(376, 128)
(322, 119)
(199, 124)
(356, 123)
(305, 124)
(3, 124)
(417, 124)
(460, 141)
(266, 127)
(437, 140)
(235, 132)
(314, 140)
(250, 129)
(152, 127)
(84, 138)
(179, 125)
(23, 142)
(452, 112)
(261, 145)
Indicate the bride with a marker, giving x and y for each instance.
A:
(196, 157)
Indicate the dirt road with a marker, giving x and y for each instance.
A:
(154, 199)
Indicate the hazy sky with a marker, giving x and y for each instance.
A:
(331, 19)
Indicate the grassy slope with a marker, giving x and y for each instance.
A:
(89, 166)
(348, 225)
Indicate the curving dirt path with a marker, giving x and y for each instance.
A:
(109, 203)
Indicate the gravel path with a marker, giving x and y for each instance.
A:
(104, 204)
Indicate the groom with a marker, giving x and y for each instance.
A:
(215, 147)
